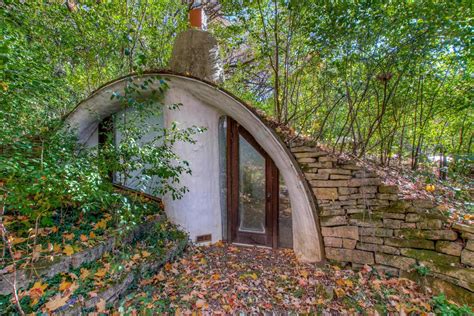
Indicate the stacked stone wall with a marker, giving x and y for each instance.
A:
(364, 221)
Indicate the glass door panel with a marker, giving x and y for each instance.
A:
(252, 190)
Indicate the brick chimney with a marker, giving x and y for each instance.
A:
(195, 51)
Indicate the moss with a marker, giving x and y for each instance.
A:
(411, 233)
(366, 216)
(430, 256)
(395, 207)
(410, 243)
(438, 286)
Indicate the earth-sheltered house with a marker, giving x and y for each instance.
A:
(255, 183)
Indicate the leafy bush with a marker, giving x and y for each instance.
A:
(442, 306)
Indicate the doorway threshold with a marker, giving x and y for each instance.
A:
(250, 245)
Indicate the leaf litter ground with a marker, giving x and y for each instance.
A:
(226, 279)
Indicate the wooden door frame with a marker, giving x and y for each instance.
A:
(270, 238)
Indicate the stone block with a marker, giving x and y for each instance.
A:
(302, 149)
(467, 257)
(378, 248)
(310, 154)
(363, 182)
(325, 193)
(356, 210)
(449, 248)
(327, 158)
(392, 223)
(453, 292)
(350, 232)
(346, 191)
(465, 275)
(470, 245)
(423, 203)
(344, 197)
(318, 165)
(399, 206)
(386, 196)
(388, 189)
(464, 228)
(430, 256)
(368, 189)
(413, 217)
(339, 177)
(378, 232)
(365, 222)
(371, 240)
(363, 196)
(399, 216)
(466, 235)
(410, 243)
(426, 234)
(372, 202)
(333, 212)
(333, 242)
(348, 203)
(430, 224)
(399, 262)
(350, 255)
(306, 160)
(329, 183)
(408, 225)
(316, 176)
(333, 220)
(335, 171)
(349, 243)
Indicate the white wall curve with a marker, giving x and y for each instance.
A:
(207, 103)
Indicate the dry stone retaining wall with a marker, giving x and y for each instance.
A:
(364, 221)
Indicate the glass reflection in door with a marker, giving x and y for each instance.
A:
(252, 189)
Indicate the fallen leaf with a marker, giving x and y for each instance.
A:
(160, 276)
(102, 224)
(339, 292)
(100, 306)
(145, 254)
(56, 302)
(65, 285)
(200, 303)
(18, 254)
(68, 250)
(37, 291)
(84, 273)
(101, 273)
(16, 240)
(92, 235)
(57, 248)
(68, 236)
(83, 238)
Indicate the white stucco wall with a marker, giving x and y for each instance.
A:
(199, 211)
